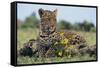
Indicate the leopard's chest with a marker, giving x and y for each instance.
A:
(48, 38)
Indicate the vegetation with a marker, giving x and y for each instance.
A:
(33, 22)
(29, 30)
(26, 34)
(80, 26)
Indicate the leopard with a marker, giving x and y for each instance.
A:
(48, 34)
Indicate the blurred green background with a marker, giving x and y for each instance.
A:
(33, 22)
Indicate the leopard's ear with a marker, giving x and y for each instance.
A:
(55, 12)
(40, 11)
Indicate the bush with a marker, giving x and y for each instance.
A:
(64, 24)
(87, 25)
(93, 29)
(31, 22)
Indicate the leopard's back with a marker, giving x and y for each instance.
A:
(73, 37)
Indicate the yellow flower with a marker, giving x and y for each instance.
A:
(62, 33)
(64, 41)
(71, 46)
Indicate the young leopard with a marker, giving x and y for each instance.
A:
(49, 35)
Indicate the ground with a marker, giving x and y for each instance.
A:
(24, 35)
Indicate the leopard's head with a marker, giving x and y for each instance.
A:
(48, 20)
